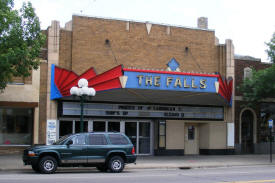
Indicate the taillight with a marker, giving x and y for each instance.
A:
(133, 150)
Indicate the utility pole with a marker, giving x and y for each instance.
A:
(270, 125)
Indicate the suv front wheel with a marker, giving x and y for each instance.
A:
(116, 164)
(35, 168)
(47, 164)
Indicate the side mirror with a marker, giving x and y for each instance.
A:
(70, 142)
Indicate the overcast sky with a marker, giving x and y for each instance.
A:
(249, 23)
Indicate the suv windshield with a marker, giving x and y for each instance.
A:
(61, 140)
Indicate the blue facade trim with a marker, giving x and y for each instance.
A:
(55, 94)
(173, 64)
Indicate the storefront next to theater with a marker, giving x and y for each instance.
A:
(168, 88)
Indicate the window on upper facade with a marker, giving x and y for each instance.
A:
(247, 73)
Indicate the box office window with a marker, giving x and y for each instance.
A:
(16, 126)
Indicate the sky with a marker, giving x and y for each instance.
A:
(249, 23)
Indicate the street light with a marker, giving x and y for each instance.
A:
(82, 91)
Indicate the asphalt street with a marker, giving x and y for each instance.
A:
(240, 174)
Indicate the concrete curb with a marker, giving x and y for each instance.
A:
(132, 167)
(13, 162)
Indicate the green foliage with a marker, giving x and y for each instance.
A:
(271, 49)
(20, 41)
(262, 83)
(260, 86)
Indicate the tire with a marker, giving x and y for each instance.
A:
(116, 164)
(47, 165)
(35, 168)
(102, 168)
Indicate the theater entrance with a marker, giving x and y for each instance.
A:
(139, 132)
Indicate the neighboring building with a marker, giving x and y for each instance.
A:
(19, 113)
(251, 123)
(169, 88)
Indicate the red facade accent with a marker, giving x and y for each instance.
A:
(225, 88)
(65, 80)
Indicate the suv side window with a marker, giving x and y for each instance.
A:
(97, 139)
(79, 140)
(118, 139)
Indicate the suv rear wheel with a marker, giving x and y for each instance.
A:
(47, 164)
(116, 164)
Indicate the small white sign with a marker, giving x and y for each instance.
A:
(230, 135)
(270, 123)
(51, 132)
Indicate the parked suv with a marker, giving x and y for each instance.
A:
(106, 151)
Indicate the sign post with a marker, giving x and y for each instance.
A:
(270, 125)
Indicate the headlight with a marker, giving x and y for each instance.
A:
(31, 153)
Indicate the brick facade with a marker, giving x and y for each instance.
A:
(259, 128)
(103, 44)
(239, 69)
(65, 56)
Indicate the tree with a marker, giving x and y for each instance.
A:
(262, 83)
(20, 41)
(271, 49)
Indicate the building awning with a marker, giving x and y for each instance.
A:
(123, 95)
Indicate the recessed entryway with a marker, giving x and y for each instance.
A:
(139, 132)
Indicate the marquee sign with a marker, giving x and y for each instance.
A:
(163, 80)
(63, 80)
(144, 111)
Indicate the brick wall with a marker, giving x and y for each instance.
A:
(194, 49)
(239, 105)
(65, 48)
(239, 70)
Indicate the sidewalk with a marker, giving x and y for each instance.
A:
(14, 161)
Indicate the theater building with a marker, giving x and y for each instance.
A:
(169, 88)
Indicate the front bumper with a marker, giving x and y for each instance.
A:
(29, 160)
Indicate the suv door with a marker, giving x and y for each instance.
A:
(75, 153)
(97, 148)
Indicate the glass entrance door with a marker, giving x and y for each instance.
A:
(77, 126)
(99, 126)
(144, 138)
(113, 126)
(131, 132)
(68, 127)
(140, 135)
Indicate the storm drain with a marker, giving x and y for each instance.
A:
(185, 168)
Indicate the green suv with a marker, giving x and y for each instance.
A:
(106, 151)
